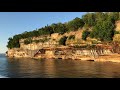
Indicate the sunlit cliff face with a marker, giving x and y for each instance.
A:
(117, 25)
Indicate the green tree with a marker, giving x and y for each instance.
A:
(60, 28)
(100, 16)
(13, 42)
(62, 40)
(113, 16)
(85, 34)
(75, 24)
(89, 19)
(103, 30)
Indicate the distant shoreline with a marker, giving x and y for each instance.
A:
(2, 54)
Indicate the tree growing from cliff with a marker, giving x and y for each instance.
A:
(85, 34)
(13, 42)
(62, 41)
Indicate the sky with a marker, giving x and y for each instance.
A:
(12, 23)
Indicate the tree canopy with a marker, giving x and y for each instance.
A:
(103, 24)
(75, 24)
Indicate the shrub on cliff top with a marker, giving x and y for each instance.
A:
(28, 41)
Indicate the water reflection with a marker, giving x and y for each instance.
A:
(49, 68)
(3, 66)
(30, 68)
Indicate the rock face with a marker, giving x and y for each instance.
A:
(11, 53)
(17, 53)
(71, 53)
(28, 50)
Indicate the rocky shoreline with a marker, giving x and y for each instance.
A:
(107, 58)
(66, 53)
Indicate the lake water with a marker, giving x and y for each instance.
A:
(30, 68)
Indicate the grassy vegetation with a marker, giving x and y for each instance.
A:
(28, 41)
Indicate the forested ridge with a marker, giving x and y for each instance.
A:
(101, 23)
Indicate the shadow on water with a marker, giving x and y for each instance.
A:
(49, 68)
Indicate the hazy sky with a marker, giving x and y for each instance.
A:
(12, 23)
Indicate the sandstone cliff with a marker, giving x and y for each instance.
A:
(29, 50)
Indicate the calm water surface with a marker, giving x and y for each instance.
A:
(30, 68)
